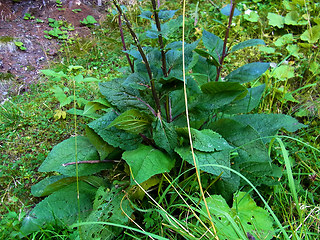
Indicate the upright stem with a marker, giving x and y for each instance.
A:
(160, 39)
(233, 6)
(144, 57)
(124, 44)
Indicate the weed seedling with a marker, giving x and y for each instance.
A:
(20, 45)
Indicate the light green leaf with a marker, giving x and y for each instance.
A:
(51, 73)
(60, 208)
(113, 136)
(68, 152)
(248, 72)
(145, 161)
(284, 72)
(293, 18)
(276, 20)
(243, 219)
(284, 39)
(204, 159)
(294, 50)
(248, 43)
(311, 35)
(206, 140)
(267, 49)
(132, 121)
(253, 16)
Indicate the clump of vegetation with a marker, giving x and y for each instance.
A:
(188, 125)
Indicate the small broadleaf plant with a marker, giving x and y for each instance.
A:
(146, 123)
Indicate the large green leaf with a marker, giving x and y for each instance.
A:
(206, 140)
(110, 205)
(204, 159)
(102, 146)
(312, 35)
(253, 160)
(132, 121)
(212, 42)
(217, 95)
(248, 43)
(60, 208)
(70, 151)
(164, 135)
(246, 104)
(113, 136)
(52, 184)
(248, 72)
(204, 72)
(145, 161)
(244, 219)
(276, 20)
(211, 57)
(174, 59)
(123, 97)
(269, 124)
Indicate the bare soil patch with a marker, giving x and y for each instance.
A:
(18, 69)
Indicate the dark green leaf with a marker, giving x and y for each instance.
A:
(137, 80)
(253, 161)
(269, 124)
(204, 72)
(67, 152)
(113, 136)
(211, 57)
(123, 97)
(166, 14)
(145, 161)
(60, 208)
(52, 184)
(103, 148)
(248, 43)
(246, 104)
(248, 72)
(164, 135)
(224, 92)
(212, 43)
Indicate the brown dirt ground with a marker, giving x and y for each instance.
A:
(20, 68)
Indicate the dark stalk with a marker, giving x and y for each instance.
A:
(163, 55)
(168, 109)
(145, 60)
(160, 39)
(233, 6)
(124, 44)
